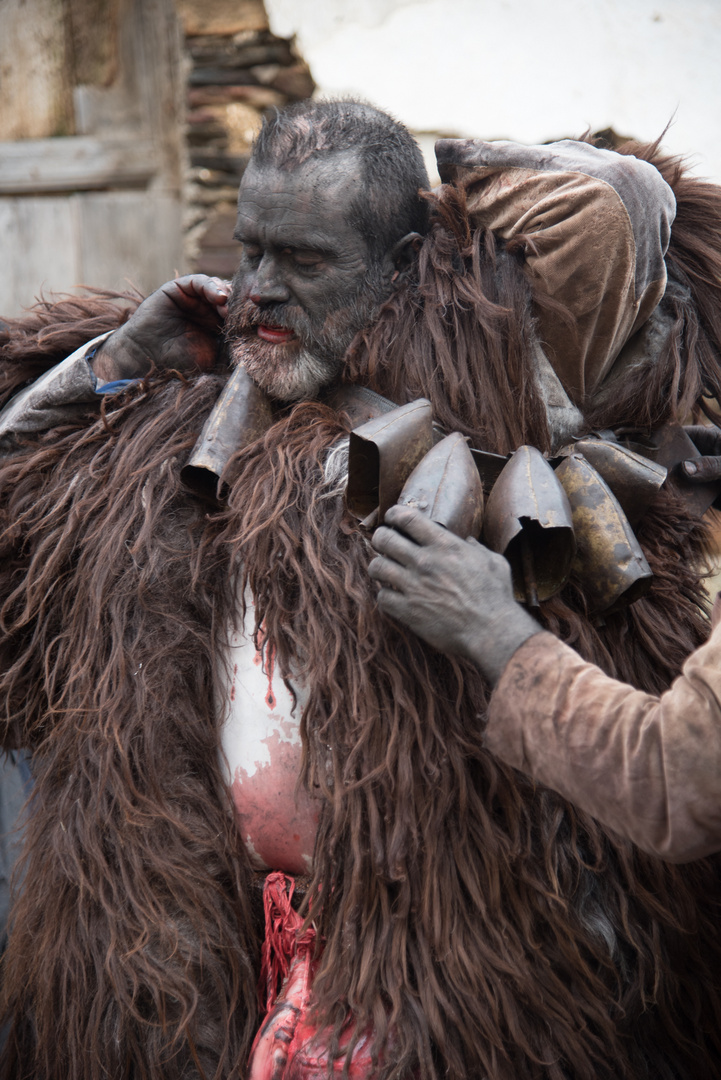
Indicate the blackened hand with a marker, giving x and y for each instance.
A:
(707, 440)
(178, 326)
(455, 594)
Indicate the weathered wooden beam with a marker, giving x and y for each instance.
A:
(75, 163)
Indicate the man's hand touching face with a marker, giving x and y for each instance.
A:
(178, 326)
(455, 594)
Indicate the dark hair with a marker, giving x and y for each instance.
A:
(391, 162)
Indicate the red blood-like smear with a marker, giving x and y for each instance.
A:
(279, 825)
(289, 1046)
(268, 660)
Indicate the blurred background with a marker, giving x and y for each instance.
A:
(125, 125)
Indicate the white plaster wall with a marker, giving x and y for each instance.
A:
(529, 70)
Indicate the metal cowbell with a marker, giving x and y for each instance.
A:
(609, 561)
(634, 480)
(668, 446)
(528, 519)
(358, 403)
(446, 487)
(381, 456)
(242, 413)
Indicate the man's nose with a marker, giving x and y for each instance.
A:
(267, 286)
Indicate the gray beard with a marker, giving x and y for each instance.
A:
(297, 371)
(298, 377)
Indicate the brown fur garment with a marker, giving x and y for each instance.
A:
(133, 952)
(483, 922)
(494, 930)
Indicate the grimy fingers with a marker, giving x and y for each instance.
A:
(703, 469)
(218, 290)
(212, 289)
(388, 572)
(392, 603)
(416, 525)
(390, 543)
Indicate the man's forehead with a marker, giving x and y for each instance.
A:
(313, 196)
(330, 171)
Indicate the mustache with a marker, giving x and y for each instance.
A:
(244, 315)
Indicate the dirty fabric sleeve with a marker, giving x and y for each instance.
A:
(594, 225)
(648, 767)
(59, 396)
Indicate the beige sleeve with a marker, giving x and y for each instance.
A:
(596, 226)
(648, 767)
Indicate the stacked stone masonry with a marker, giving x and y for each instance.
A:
(233, 80)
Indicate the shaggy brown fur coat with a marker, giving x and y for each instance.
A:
(495, 931)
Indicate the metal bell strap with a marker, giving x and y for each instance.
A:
(400, 458)
(549, 524)
(634, 479)
(609, 561)
(605, 484)
(552, 524)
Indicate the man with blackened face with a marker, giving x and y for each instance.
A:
(306, 282)
(329, 216)
(321, 251)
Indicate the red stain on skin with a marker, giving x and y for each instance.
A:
(280, 826)
(259, 643)
(268, 663)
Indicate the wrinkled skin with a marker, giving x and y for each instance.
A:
(304, 286)
(455, 594)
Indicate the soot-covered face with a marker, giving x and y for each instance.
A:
(305, 284)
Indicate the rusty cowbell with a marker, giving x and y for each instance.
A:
(634, 480)
(609, 560)
(381, 456)
(446, 487)
(528, 519)
(242, 413)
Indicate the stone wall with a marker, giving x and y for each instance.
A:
(237, 70)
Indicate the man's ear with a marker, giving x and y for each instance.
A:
(402, 257)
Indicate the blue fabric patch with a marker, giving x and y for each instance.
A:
(113, 387)
(22, 761)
